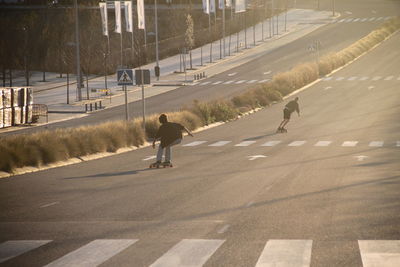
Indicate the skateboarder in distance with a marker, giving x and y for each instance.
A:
(170, 134)
(287, 111)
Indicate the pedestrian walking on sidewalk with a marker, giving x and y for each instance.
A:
(170, 134)
(287, 111)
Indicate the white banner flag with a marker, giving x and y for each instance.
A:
(212, 6)
(240, 6)
(117, 5)
(206, 6)
(104, 17)
(140, 13)
(128, 16)
(228, 3)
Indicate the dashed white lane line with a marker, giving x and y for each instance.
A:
(342, 20)
(14, 248)
(380, 18)
(204, 83)
(229, 82)
(383, 253)
(232, 74)
(364, 78)
(323, 143)
(340, 78)
(271, 143)
(297, 143)
(389, 78)
(352, 78)
(285, 253)
(189, 252)
(371, 19)
(241, 81)
(220, 143)
(94, 253)
(376, 78)
(376, 143)
(357, 19)
(245, 143)
(264, 81)
(328, 87)
(218, 82)
(195, 143)
(364, 20)
(328, 78)
(50, 204)
(224, 229)
(350, 143)
(349, 20)
(252, 81)
(256, 157)
(267, 72)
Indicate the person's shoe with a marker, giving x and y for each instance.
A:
(156, 164)
(167, 164)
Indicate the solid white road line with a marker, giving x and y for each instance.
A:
(245, 143)
(220, 143)
(376, 143)
(195, 143)
(382, 253)
(286, 253)
(94, 253)
(218, 82)
(323, 143)
(350, 143)
(297, 143)
(14, 248)
(271, 143)
(189, 252)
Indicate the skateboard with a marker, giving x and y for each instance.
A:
(283, 130)
(160, 165)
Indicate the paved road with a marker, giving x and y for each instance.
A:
(324, 194)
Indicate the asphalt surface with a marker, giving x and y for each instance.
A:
(324, 193)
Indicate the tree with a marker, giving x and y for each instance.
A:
(189, 36)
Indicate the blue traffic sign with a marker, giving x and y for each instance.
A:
(125, 77)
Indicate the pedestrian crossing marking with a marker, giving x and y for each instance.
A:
(323, 143)
(232, 74)
(371, 19)
(376, 143)
(220, 143)
(252, 81)
(286, 253)
(382, 253)
(13, 248)
(363, 20)
(350, 143)
(376, 78)
(398, 143)
(263, 81)
(352, 78)
(195, 143)
(205, 83)
(229, 82)
(271, 143)
(94, 253)
(357, 19)
(245, 143)
(328, 78)
(241, 81)
(189, 252)
(340, 78)
(297, 143)
(364, 78)
(389, 78)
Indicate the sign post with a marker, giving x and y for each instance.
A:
(142, 78)
(124, 78)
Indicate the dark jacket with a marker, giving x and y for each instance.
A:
(169, 132)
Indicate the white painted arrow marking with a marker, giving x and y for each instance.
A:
(256, 157)
(361, 157)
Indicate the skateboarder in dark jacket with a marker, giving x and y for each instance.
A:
(287, 111)
(170, 134)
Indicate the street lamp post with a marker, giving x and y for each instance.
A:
(156, 24)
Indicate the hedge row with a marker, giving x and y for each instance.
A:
(52, 146)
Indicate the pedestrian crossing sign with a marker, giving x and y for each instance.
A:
(125, 77)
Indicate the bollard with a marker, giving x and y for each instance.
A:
(204, 74)
(91, 107)
(194, 77)
(85, 107)
(95, 105)
(101, 105)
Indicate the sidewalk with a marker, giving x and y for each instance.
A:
(53, 92)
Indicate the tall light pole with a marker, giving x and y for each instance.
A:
(78, 58)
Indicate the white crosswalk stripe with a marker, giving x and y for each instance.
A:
(205, 83)
(229, 82)
(195, 143)
(349, 20)
(389, 78)
(376, 143)
(14, 248)
(220, 143)
(371, 19)
(271, 143)
(357, 19)
(364, 78)
(342, 20)
(350, 143)
(241, 81)
(398, 143)
(382, 253)
(189, 252)
(94, 253)
(297, 143)
(286, 253)
(252, 81)
(340, 78)
(264, 81)
(328, 78)
(376, 78)
(380, 18)
(245, 143)
(364, 19)
(323, 143)
(352, 78)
